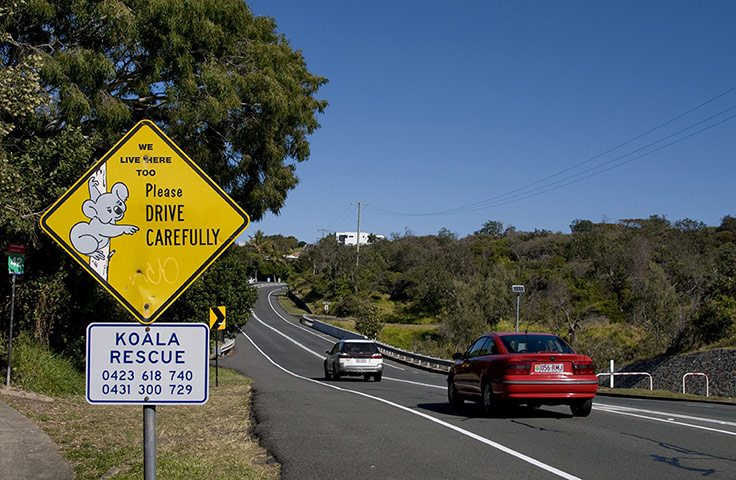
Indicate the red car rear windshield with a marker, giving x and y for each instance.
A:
(527, 343)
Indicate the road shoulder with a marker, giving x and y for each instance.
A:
(28, 452)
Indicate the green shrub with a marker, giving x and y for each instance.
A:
(407, 337)
(39, 370)
(615, 341)
(368, 326)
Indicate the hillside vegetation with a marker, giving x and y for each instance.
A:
(629, 290)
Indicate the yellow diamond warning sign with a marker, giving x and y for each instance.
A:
(145, 221)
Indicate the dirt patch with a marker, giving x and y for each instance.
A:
(21, 395)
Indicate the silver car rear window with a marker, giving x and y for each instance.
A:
(359, 348)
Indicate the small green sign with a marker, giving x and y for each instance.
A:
(15, 263)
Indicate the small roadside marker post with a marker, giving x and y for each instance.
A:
(217, 320)
(16, 258)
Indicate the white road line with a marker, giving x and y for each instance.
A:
(462, 431)
(674, 415)
(304, 347)
(632, 412)
(441, 387)
(308, 330)
(319, 355)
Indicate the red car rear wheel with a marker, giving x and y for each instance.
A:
(582, 408)
(488, 401)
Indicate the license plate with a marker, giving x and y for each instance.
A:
(361, 360)
(549, 368)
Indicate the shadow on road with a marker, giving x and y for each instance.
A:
(683, 458)
(346, 380)
(472, 410)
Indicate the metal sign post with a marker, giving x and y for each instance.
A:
(149, 442)
(16, 259)
(10, 337)
(518, 289)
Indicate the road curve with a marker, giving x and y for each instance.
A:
(403, 428)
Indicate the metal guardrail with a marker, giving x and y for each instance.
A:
(422, 360)
(627, 373)
(229, 343)
(330, 330)
(385, 349)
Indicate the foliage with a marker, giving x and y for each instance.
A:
(367, 321)
(629, 290)
(265, 256)
(408, 337)
(223, 284)
(76, 75)
(38, 369)
(715, 320)
(493, 228)
(228, 89)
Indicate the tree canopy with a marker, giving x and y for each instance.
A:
(75, 75)
(625, 290)
(223, 84)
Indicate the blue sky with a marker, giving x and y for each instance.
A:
(450, 114)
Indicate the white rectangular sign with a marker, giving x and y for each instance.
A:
(161, 363)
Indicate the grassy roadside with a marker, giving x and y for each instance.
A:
(211, 441)
(289, 305)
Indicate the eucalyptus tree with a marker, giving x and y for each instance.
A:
(75, 75)
(221, 82)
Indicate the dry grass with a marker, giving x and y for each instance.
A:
(211, 441)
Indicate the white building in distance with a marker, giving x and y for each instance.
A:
(351, 238)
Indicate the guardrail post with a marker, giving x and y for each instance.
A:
(611, 381)
(707, 386)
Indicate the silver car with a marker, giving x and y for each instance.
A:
(354, 357)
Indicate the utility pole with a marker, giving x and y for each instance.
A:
(357, 249)
(323, 230)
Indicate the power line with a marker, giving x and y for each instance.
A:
(507, 201)
(344, 216)
(526, 191)
(564, 181)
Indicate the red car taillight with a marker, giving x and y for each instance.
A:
(343, 355)
(583, 368)
(518, 367)
(377, 355)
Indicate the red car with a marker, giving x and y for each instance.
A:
(522, 368)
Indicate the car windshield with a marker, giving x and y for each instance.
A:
(524, 343)
(359, 348)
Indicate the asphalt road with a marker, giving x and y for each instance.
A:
(403, 428)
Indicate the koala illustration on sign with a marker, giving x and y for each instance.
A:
(104, 211)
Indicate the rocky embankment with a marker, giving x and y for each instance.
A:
(667, 373)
